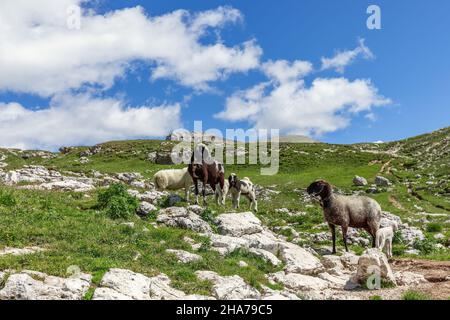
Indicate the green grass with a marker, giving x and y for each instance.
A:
(415, 295)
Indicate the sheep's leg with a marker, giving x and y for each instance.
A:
(204, 194)
(344, 236)
(186, 194)
(196, 191)
(333, 236)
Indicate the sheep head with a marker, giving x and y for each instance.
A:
(320, 188)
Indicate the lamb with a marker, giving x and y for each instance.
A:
(242, 187)
(384, 238)
(347, 211)
(174, 179)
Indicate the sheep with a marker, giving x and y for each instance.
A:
(347, 211)
(242, 187)
(221, 194)
(384, 238)
(174, 179)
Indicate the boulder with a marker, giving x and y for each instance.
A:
(407, 278)
(359, 181)
(266, 255)
(238, 224)
(374, 261)
(182, 218)
(29, 285)
(184, 256)
(382, 181)
(121, 284)
(145, 208)
(299, 260)
(299, 282)
(229, 287)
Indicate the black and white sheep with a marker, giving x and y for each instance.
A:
(347, 211)
(244, 187)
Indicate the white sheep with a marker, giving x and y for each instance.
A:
(384, 238)
(242, 187)
(174, 179)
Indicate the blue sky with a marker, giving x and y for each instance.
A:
(399, 90)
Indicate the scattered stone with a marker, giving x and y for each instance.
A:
(359, 181)
(145, 208)
(242, 264)
(382, 181)
(182, 218)
(299, 282)
(299, 260)
(407, 278)
(229, 287)
(371, 261)
(238, 224)
(29, 285)
(184, 256)
(20, 251)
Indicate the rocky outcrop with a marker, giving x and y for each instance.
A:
(184, 256)
(229, 287)
(238, 224)
(371, 262)
(32, 285)
(183, 218)
(359, 181)
(20, 251)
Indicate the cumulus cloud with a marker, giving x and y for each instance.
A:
(344, 58)
(82, 119)
(286, 102)
(39, 54)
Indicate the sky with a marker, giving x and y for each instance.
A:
(131, 69)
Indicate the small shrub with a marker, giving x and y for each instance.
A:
(415, 295)
(434, 227)
(375, 298)
(425, 246)
(208, 215)
(117, 202)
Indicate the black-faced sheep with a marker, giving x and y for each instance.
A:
(347, 211)
(173, 179)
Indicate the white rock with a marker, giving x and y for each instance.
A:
(374, 261)
(266, 255)
(184, 256)
(299, 260)
(299, 282)
(238, 224)
(145, 208)
(121, 284)
(359, 181)
(229, 287)
(382, 181)
(242, 264)
(407, 278)
(182, 218)
(20, 251)
(23, 286)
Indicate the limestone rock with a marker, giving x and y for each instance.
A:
(184, 256)
(299, 260)
(299, 282)
(238, 224)
(371, 262)
(359, 181)
(182, 218)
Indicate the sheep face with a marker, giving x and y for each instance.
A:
(319, 188)
(233, 181)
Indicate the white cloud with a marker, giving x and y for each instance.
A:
(282, 70)
(40, 54)
(286, 102)
(344, 58)
(82, 119)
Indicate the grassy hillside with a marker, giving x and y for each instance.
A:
(75, 232)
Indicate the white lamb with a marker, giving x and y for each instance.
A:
(384, 238)
(242, 187)
(220, 194)
(173, 179)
